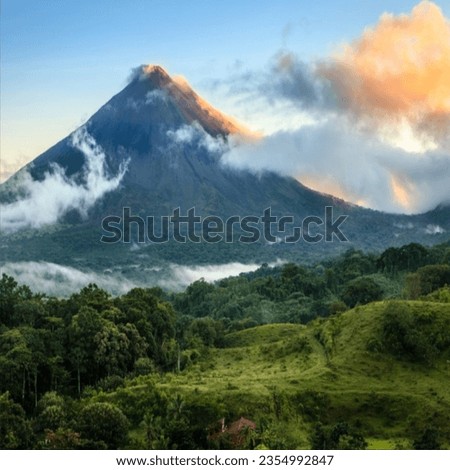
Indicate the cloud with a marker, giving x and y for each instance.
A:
(8, 168)
(60, 280)
(434, 229)
(46, 201)
(394, 76)
(140, 72)
(333, 158)
(155, 96)
(297, 81)
(373, 119)
(397, 71)
(152, 97)
(181, 276)
(194, 134)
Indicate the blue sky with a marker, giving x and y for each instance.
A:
(61, 60)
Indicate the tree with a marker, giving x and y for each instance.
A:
(361, 291)
(155, 438)
(414, 334)
(194, 301)
(104, 422)
(15, 430)
(82, 331)
(210, 332)
(429, 440)
(10, 295)
(337, 437)
(405, 258)
(51, 412)
(428, 279)
(23, 354)
(111, 348)
(153, 318)
(61, 439)
(92, 296)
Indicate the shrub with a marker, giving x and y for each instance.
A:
(104, 423)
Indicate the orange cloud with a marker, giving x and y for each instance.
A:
(330, 186)
(402, 192)
(398, 70)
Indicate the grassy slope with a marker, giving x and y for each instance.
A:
(388, 400)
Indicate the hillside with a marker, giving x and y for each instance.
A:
(347, 355)
(293, 376)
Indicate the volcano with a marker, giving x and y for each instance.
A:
(170, 141)
(173, 140)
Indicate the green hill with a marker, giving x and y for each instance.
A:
(275, 359)
(289, 378)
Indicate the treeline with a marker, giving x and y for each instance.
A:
(53, 351)
(298, 294)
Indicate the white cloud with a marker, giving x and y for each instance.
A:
(156, 95)
(8, 168)
(181, 276)
(407, 226)
(354, 164)
(434, 229)
(373, 133)
(48, 200)
(195, 134)
(60, 280)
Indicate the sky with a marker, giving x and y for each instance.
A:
(61, 60)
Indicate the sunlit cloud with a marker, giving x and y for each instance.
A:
(379, 115)
(398, 72)
(401, 194)
(350, 163)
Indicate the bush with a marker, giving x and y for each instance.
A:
(337, 437)
(413, 335)
(429, 440)
(361, 291)
(104, 423)
(427, 279)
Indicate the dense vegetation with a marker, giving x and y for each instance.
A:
(350, 353)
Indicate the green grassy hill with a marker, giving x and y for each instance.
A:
(291, 377)
(288, 378)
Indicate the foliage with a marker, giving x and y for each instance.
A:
(429, 440)
(416, 336)
(280, 346)
(15, 430)
(103, 424)
(361, 291)
(339, 436)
